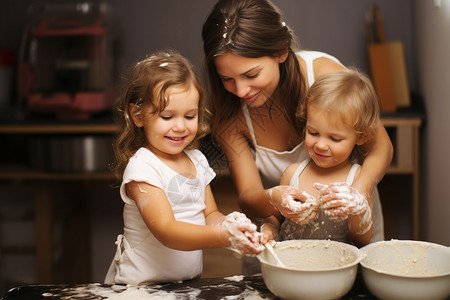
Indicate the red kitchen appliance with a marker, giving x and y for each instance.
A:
(67, 67)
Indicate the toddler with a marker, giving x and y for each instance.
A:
(340, 116)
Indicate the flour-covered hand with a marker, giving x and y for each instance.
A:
(339, 200)
(298, 206)
(244, 238)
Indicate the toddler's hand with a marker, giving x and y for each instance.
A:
(244, 238)
(298, 206)
(339, 200)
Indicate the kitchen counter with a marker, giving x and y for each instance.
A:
(235, 287)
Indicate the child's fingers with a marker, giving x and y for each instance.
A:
(338, 214)
(334, 204)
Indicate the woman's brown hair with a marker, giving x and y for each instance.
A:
(249, 28)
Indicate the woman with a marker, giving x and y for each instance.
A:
(255, 83)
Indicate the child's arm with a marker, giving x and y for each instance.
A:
(159, 218)
(360, 229)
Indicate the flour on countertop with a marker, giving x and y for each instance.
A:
(96, 291)
(236, 278)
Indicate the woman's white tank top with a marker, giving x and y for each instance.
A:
(271, 163)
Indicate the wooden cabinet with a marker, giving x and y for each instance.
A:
(405, 137)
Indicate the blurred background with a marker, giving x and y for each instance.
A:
(60, 68)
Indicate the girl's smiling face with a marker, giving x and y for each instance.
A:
(253, 80)
(328, 140)
(170, 131)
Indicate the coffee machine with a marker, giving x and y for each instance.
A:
(67, 67)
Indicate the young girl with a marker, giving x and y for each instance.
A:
(169, 211)
(340, 116)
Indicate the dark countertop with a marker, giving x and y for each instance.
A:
(236, 287)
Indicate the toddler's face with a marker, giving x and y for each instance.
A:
(169, 132)
(328, 140)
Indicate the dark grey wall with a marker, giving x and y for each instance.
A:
(336, 27)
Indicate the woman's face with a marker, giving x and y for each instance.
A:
(253, 80)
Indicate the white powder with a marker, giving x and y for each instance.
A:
(119, 292)
(236, 278)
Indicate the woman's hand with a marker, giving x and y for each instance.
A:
(298, 206)
(245, 240)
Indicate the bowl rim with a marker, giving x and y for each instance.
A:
(366, 248)
(354, 263)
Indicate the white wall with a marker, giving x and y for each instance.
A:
(432, 30)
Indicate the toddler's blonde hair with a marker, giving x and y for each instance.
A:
(349, 94)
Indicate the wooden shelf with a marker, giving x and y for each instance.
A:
(23, 174)
(392, 121)
(58, 128)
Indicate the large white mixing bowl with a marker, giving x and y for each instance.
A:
(315, 269)
(401, 269)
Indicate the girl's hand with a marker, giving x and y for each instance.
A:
(339, 200)
(298, 206)
(244, 239)
(269, 229)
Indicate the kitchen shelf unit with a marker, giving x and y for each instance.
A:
(43, 190)
(405, 136)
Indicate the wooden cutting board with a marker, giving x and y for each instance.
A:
(387, 67)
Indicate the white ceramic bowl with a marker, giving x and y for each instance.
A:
(315, 269)
(401, 269)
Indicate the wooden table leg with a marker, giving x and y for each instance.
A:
(44, 240)
(416, 190)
